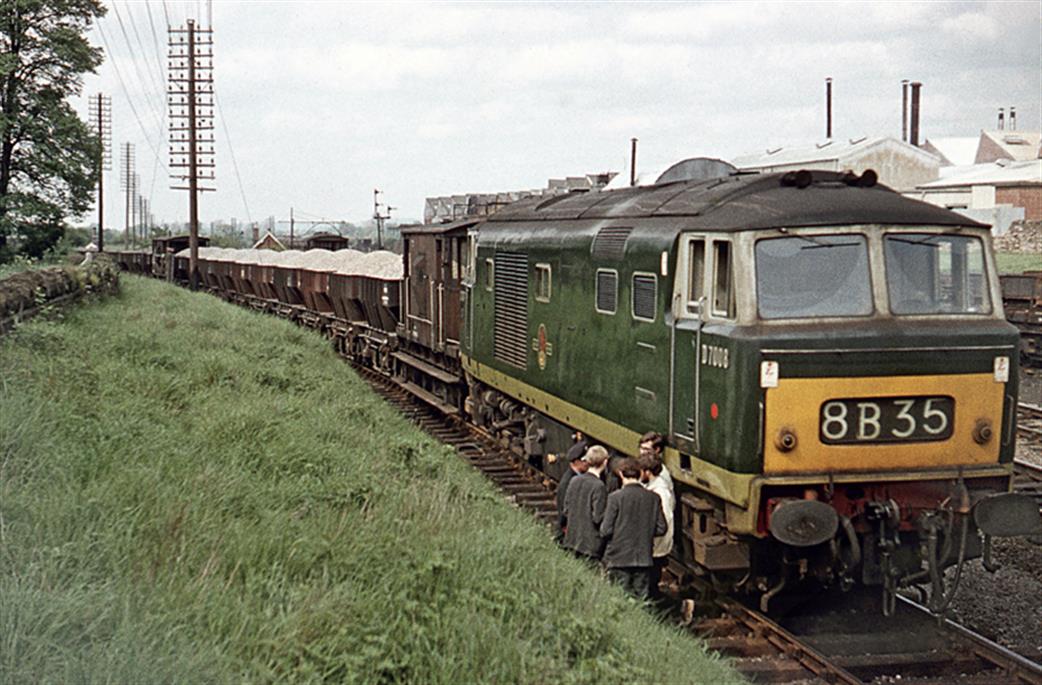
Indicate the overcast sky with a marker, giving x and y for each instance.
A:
(321, 102)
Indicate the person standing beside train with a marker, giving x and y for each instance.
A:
(654, 444)
(654, 481)
(632, 519)
(584, 504)
(576, 465)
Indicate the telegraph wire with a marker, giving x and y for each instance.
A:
(156, 84)
(155, 39)
(137, 69)
(144, 52)
(159, 61)
(126, 92)
(231, 151)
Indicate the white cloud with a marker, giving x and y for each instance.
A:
(971, 26)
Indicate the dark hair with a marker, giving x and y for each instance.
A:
(657, 440)
(650, 463)
(629, 468)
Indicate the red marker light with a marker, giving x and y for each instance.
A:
(714, 410)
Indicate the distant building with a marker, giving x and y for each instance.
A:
(269, 242)
(452, 207)
(1019, 146)
(998, 183)
(900, 165)
(953, 151)
(997, 193)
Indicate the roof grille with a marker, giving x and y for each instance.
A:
(510, 327)
(610, 243)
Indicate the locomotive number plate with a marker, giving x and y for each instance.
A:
(886, 419)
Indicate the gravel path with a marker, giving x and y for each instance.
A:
(1006, 606)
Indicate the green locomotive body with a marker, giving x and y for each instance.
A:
(828, 360)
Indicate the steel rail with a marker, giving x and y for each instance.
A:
(1021, 669)
(531, 489)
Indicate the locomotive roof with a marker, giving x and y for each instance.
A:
(438, 229)
(745, 201)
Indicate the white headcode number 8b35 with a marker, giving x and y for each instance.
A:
(834, 427)
(928, 413)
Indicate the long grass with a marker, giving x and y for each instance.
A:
(190, 492)
(1015, 262)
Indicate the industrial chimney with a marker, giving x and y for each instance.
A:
(904, 110)
(914, 137)
(1002, 118)
(633, 161)
(828, 108)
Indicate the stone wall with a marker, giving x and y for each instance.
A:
(1024, 237)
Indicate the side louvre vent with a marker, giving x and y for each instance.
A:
(510, 330)
(610, 243)
(607, 291)
(644, 292)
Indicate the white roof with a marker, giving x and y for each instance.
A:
(644, 178)
(827, 151)
(1019, 145)
(957, 150)
(257, 245)
(995, 173)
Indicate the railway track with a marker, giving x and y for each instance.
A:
(1029, 422)
(1027, 475)
(842, 640)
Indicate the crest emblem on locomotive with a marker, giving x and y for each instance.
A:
(542, 346)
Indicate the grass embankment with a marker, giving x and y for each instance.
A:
(191, 492)
(1017, 262)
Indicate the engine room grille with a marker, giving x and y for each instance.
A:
(607, 291)
(510, 291)
(610, 243)
(644, 291)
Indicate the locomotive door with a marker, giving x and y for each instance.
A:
(450, 291)
(687, 308)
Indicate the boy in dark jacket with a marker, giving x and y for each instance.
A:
(632, 519)
(584, 504)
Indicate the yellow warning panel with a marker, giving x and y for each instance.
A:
(882, 423)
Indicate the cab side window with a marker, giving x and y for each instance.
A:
(543, 283)
(696, 273)
(723, 280)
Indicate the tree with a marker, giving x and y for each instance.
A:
(48, 156)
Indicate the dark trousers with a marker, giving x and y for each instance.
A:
(633, 579)
(656, 576)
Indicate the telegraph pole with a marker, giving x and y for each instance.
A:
(191, 137)
(291, 228)
(101, 119)
(126, 183)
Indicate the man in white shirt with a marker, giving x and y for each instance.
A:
(653, 476)
(654, 445)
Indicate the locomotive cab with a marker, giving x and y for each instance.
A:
(883, 417)
(827, 358)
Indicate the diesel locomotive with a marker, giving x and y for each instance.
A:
(827, 359)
